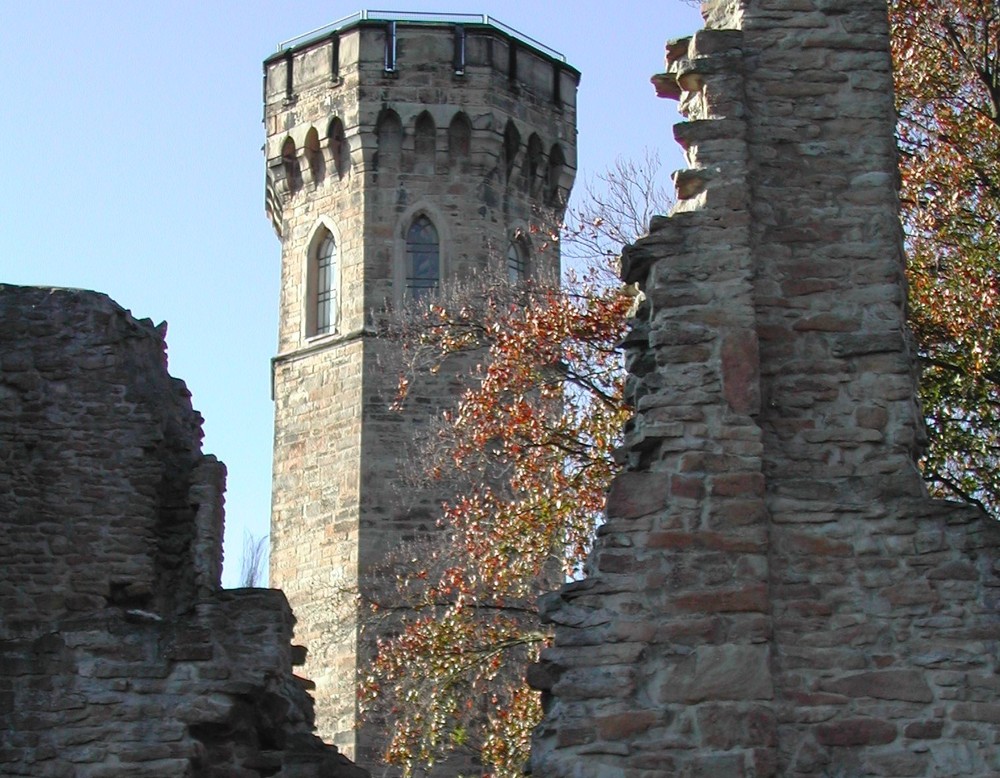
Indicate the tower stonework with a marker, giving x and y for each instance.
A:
(401, 153)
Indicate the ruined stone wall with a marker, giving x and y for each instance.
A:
(94, 428)
(120, 654)
(773, 592)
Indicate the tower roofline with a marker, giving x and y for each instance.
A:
(366, 18)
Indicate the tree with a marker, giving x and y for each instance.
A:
(254, 560)
(530, 448)
(534, 436)
(947, 73)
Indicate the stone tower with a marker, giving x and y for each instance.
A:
(402, 151)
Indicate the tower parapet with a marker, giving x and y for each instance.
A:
(350, 69)
(402, 150)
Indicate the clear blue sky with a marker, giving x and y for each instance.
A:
(131, 135)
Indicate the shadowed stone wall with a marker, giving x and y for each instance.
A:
(773, 592)
(119, 653)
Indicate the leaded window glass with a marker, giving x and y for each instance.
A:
(517, 263)
(423, 259)
(326, 286)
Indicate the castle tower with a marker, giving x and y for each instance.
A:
(402, 151)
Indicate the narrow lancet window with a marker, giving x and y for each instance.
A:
(517, 262)
(423, 259)
(326, 286)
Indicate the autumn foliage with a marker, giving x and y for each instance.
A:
(946, 55)
(532, 439)
(530, 449)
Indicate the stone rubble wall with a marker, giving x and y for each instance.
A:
(119, 653)
(773, 592)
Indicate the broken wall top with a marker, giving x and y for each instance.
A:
(773, 592)
(105, 494)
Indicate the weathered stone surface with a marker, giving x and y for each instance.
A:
(977, 711)
(883, 684)
(855, 732)
(794, 569)
(633, 495)
(740, 382)
(725, 672)
(119, 653)
(359, 151)
(924, 730)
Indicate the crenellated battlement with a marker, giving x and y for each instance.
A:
(476, 49)
(470, 97)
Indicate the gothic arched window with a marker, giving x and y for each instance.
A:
(423, 258)
(326, 285)
(517, 261)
